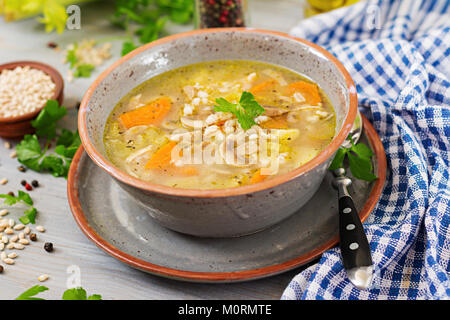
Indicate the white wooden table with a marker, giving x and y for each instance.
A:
(100, 273)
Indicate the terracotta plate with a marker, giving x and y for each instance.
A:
(119, 226)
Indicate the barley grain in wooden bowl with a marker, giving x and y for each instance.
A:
(25, 87)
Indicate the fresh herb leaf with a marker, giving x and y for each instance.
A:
(338, 159)
(127, 47)
(83, 71)
(75, 294)
(71, 57)
(55, 165)
(25, 198)
(362, 150)
(21, 197)
(361, 168)
(29, 216)
(147, 18)
(359, 159)
(66, 137)
(30, 293)
(70, 294)
(30, 153)
(151, 31)
(245, 111)
(79, 294)
(45, 122)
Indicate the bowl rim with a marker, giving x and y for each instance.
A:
(49, 70)
(120, 175)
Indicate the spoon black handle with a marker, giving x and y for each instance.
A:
(355, 248)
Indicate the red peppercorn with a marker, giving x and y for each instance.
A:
(28, 187)
(211, 2)
(225, 12)
(223, 19)
(229, 3)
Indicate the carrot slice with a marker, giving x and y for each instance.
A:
(152, 113)
(276, 123)
(258, 177)
(262, 86)
(161, 158)
(309, 91)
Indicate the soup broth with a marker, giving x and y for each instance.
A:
(169, 131)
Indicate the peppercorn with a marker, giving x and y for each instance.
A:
(1, 269)
(28, 187)
(11, 193)
(23, 182)
(33, 237)
(35, 183)
(21, 168)
(48, 246)
(52, 45)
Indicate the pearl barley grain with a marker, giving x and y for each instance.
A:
(43, 277)
(24, 90)
(18, 246)
(12, 255)
(19, 227)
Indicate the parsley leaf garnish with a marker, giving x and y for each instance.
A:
(83, 71)
(32, 155)
(45, 122)
(71, 57)
(79, 294)
(127, 47)
(29, 215)
(30, 293)
(146, 19)
(245, 111)
(21, 197)
(359, 158)
(70, 294)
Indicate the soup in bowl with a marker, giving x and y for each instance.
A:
(219, 133)
(169, 130)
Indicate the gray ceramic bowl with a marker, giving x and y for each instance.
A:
(234, 211)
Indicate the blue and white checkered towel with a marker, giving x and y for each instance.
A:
(398, 54)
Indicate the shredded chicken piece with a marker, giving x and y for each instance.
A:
(273, 111)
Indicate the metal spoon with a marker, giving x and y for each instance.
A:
(355, 249)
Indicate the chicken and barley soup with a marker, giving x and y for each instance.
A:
(219, 124)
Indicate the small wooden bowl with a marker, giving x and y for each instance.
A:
(16, 127)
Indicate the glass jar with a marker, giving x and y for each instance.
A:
(220, 13)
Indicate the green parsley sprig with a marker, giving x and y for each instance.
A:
(37, 158)
(70, 294)
(359, 158)
(245, 111)
(29, 215)
(146, 19)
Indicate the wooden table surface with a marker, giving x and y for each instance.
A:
(99, 272)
